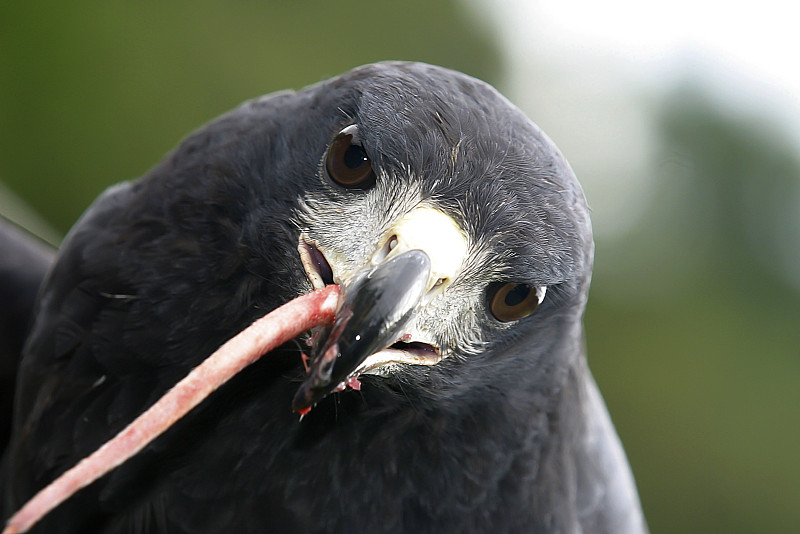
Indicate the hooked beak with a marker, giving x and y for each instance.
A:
(416, 260)
(373, 311)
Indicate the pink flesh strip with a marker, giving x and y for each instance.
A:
(267, 333)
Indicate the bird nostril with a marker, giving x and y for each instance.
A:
(385, 250)
(435, 289)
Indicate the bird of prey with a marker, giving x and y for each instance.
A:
(452, 392)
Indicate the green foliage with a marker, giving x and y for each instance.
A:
(693, 318)
(96, 93)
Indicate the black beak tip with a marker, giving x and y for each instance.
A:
(308, 395)
(303, 399)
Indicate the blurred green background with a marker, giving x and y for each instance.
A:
(693, 320)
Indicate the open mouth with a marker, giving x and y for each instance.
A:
(316, 265)
(414, 353)
(406, 350)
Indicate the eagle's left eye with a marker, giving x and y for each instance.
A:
(347, 162)
(513, 301)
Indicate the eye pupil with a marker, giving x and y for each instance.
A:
(517, 295)
(355, 156)
(347, 162)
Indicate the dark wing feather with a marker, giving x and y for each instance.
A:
(24, 261)
(150, 281)
(606, 494)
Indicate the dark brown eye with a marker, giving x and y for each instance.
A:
(347, 163)
(513, 301)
